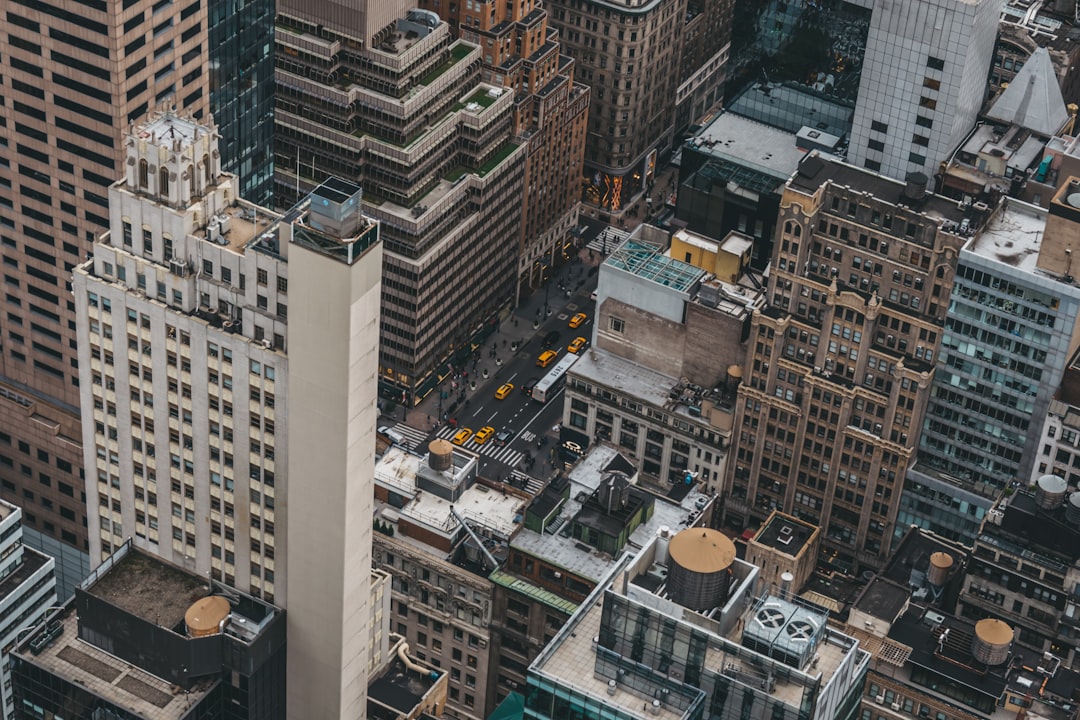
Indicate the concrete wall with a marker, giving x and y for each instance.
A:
(334, 336)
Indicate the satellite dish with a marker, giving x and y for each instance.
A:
(1073, 199)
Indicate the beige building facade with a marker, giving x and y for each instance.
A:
(73, 80)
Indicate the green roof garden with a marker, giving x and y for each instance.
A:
(457, 53)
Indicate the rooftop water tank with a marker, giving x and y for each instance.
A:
(991, 642)
(440, 455)
(204, 616)
(699, 574)
(1050, 491)
(938, 572)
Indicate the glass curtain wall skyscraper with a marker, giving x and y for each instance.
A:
(241, 50)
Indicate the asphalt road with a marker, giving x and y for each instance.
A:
(532, 425)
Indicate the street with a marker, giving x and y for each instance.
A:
(467, 399)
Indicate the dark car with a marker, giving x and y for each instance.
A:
(503, 437)
(552, 339)
(527, 388)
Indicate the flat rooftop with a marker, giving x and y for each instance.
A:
(817, 169)
(32, 561)
(400, 688)
(481, 504)
(581, 559)
(149, 588)
(241, 223)
(572, 657)
(750, 143)
(910, 561)
(605, 368)
(163, 126)
(882, 598)
(791, 107)
(785, 533)
(1012, 236)
(6, 509)
(109, 677)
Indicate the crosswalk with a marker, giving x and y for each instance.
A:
(505, 455)
(415, 440)
(608, 239)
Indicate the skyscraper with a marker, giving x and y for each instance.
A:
(632, 56)
(240, 40)
(840, 363)
(923, 82)
(74, 79)
(182, 324)
(183, 330)
(386, 98)
(551, 109)
(333, 368)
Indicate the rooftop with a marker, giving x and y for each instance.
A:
(817, 169)
(400, 688)
(785, 533)
(238, 224)
(775, 643)
(909, 562)
(147, 588)
(626, 377)
(32, 561)
(583, 560)
(790, 107)
(1033, 98)
(109, 677)
(652, 264)
(165, 126)
(882, 598)
(1012, 236)
(749, 143)
(498, 510)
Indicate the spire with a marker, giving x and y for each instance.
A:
(1033, 99)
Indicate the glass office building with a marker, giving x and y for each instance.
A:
(1002, 356)
(242, 92)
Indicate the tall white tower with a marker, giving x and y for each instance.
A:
(335, 267)
(923, 82)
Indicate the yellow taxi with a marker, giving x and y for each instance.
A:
(575, 346)
(462, 436)
(483, 434)
(504, 390)
(578, 319)
(546, 358)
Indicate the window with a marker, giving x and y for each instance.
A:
(617, 325)
(935, 63)
(880, 127)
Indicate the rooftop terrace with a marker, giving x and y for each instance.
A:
(148, 588)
